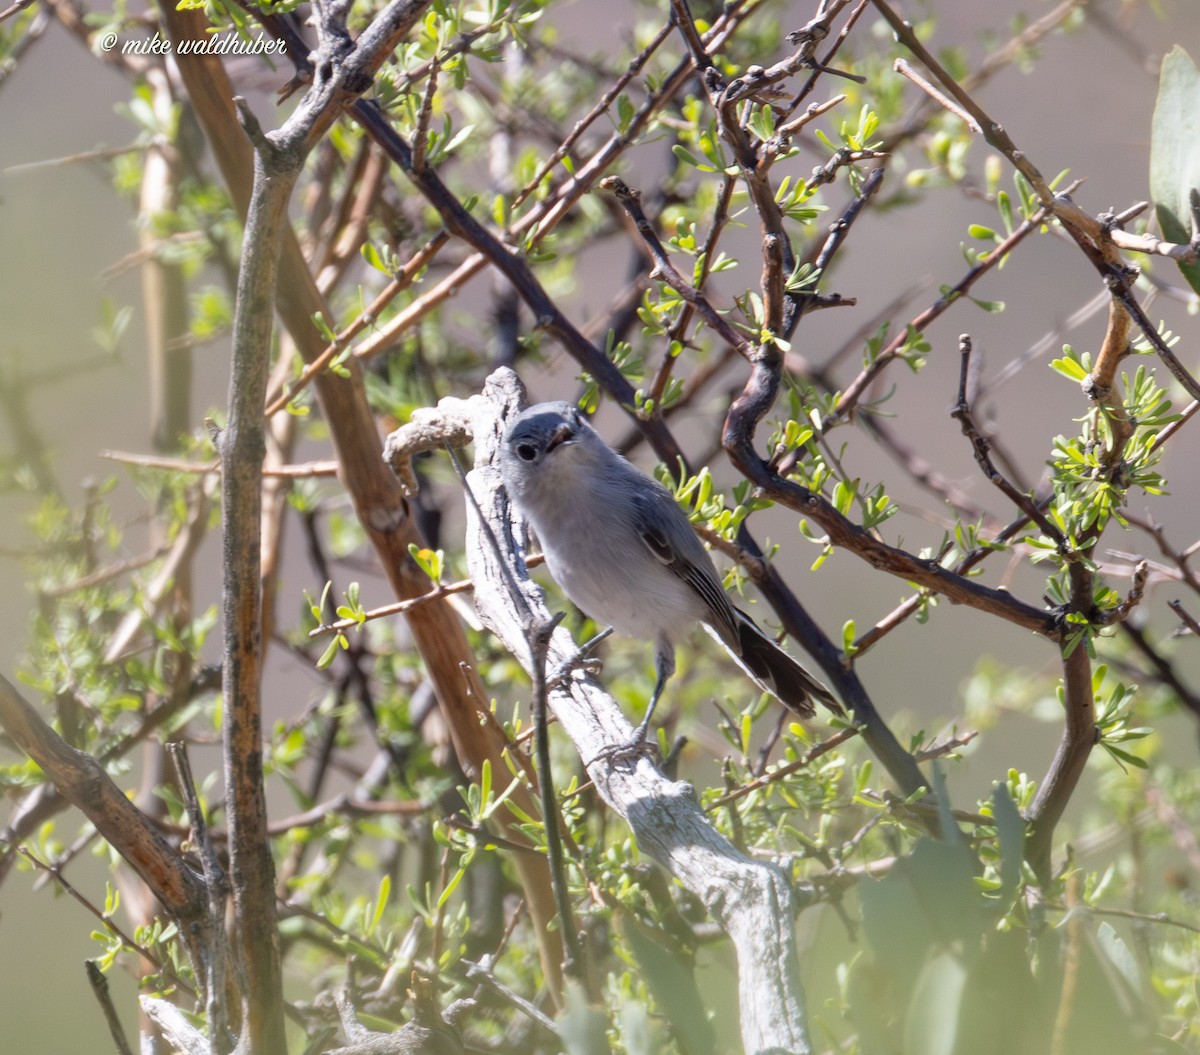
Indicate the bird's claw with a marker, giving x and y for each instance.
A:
(580, 661)
(635, 747)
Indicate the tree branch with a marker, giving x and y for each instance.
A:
(85, 784)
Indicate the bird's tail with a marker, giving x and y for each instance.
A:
(774, 671)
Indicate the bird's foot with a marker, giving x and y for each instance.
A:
(582, 660)
(561, 674)
(635, 747)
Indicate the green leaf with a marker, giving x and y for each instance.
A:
(323, 327)
(1010, 830)
(372, 256)
(330, 652)
(624, 112)
(581, 1027)
(1070, 368)
(385, 892)
(932, 1024)
(1175, 151)
(670, 977)
(1119, 956)
(848, 636)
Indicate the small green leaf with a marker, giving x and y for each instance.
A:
(323, 326)
(686, 156)
(848, 636)
(385, 890)
(451, 886)
(1069, 368)
(330, 652)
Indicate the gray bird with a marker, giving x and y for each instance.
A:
(623, 551)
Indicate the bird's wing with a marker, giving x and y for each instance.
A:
(670, 538)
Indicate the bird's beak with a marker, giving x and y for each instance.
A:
(563, 434)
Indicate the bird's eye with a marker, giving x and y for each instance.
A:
(527, 452)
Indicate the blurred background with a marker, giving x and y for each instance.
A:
(66, 246)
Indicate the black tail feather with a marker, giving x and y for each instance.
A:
(777, 673)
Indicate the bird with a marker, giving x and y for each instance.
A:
(624, 552)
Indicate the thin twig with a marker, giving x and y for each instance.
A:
(630, 201)
(979, 447)
(1188, 619)
(779, 772)
(905, 70)
(55, 872)
(103, 996)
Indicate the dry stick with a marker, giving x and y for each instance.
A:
(980, 447)
(1189, 620)
(182, 465)
(756, 79)
(664, 269)
(101, 991)
(212, 936)
(821, 65)
(905, 70)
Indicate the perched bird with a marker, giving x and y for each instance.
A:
(623, 551)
